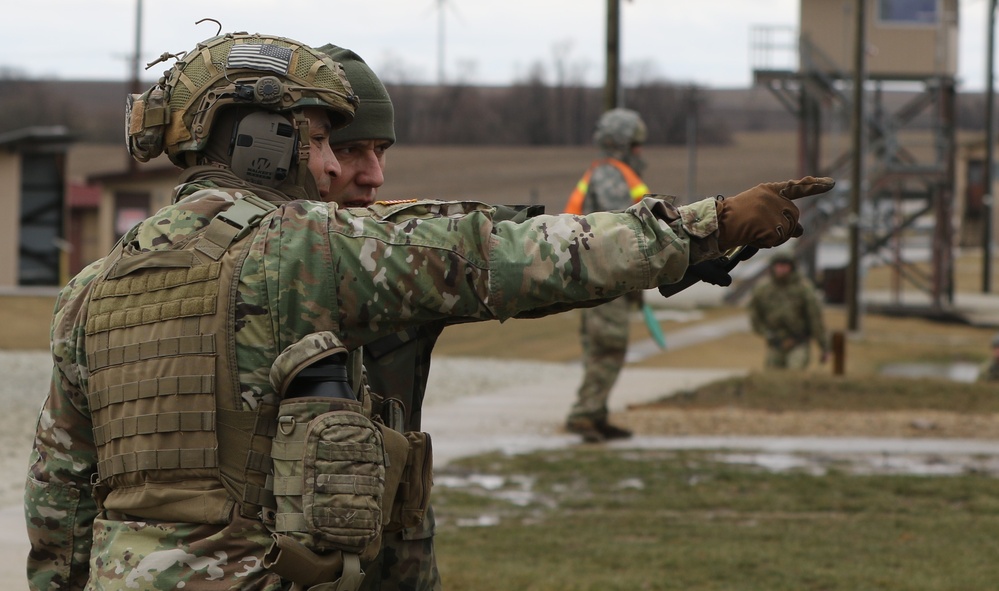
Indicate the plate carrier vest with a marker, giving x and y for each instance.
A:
(173, 441)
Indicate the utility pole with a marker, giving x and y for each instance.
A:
(440, 41)
(612, 82)
(137, 51)
(136, 82)
(693, 108)
(856, 166)
(990, 139)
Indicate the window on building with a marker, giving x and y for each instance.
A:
(909, 12)
(41, 220)
(131, 207)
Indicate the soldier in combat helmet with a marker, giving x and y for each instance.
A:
(207, 425)
(612, 182)
(786, 312)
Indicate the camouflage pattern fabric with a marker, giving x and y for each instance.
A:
(604, 336)
(604, 329)
(788, 315)
(792, 355)
(989, 371)
(363, 274)
(398, 366)
(407, 561)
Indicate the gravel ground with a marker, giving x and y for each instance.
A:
(23, 388)
(26, 376)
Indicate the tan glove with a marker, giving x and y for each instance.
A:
(765, 216)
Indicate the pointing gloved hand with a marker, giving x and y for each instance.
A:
(765, 216)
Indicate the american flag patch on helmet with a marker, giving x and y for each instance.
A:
(260, 57)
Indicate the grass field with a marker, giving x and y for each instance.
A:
(589, 519)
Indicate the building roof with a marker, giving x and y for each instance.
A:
(35, 135)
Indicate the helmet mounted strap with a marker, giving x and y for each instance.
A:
(301, 125)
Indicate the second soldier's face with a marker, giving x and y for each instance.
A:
(781, 269)
(362, 168)
(322, 163)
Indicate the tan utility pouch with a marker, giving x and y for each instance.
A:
(339, 478)
(413, 496)
(329, 489)
(329, 475)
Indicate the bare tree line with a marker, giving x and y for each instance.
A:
(531, 112)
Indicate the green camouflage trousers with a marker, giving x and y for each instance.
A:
(406, 562)
(604, 333)
(797, 357)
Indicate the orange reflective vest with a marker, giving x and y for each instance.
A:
(636, 187)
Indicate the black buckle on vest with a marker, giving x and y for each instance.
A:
(246, 212)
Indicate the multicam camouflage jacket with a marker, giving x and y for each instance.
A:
(362, 274)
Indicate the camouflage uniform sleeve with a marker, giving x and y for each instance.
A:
(700, 221)
(58, 505)
(422, 261)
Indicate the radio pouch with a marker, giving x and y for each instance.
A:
(339, 478)
(329, 474)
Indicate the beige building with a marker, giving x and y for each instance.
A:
(127, 198)
(971, 193)
(32, 193)
(906, 38)
(69, 203)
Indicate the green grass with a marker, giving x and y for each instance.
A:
(605, 520)
(791, 391)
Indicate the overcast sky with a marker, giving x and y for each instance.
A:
(486, 42)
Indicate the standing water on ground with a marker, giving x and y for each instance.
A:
(958, 371)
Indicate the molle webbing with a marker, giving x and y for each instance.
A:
(131, 301)
(164, 392)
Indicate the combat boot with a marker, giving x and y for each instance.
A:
(587, 428)
(610, 431)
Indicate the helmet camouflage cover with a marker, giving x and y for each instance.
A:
(618, 130)
(783, 257)
(273, 73)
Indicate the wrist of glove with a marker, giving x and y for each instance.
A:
(765, 216)
(713, 271)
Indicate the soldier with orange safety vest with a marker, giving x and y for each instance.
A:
(612, 182)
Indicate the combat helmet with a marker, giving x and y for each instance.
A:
(272, 74)
(618, 130)
(783, 256)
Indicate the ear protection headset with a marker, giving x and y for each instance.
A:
(262, 148)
